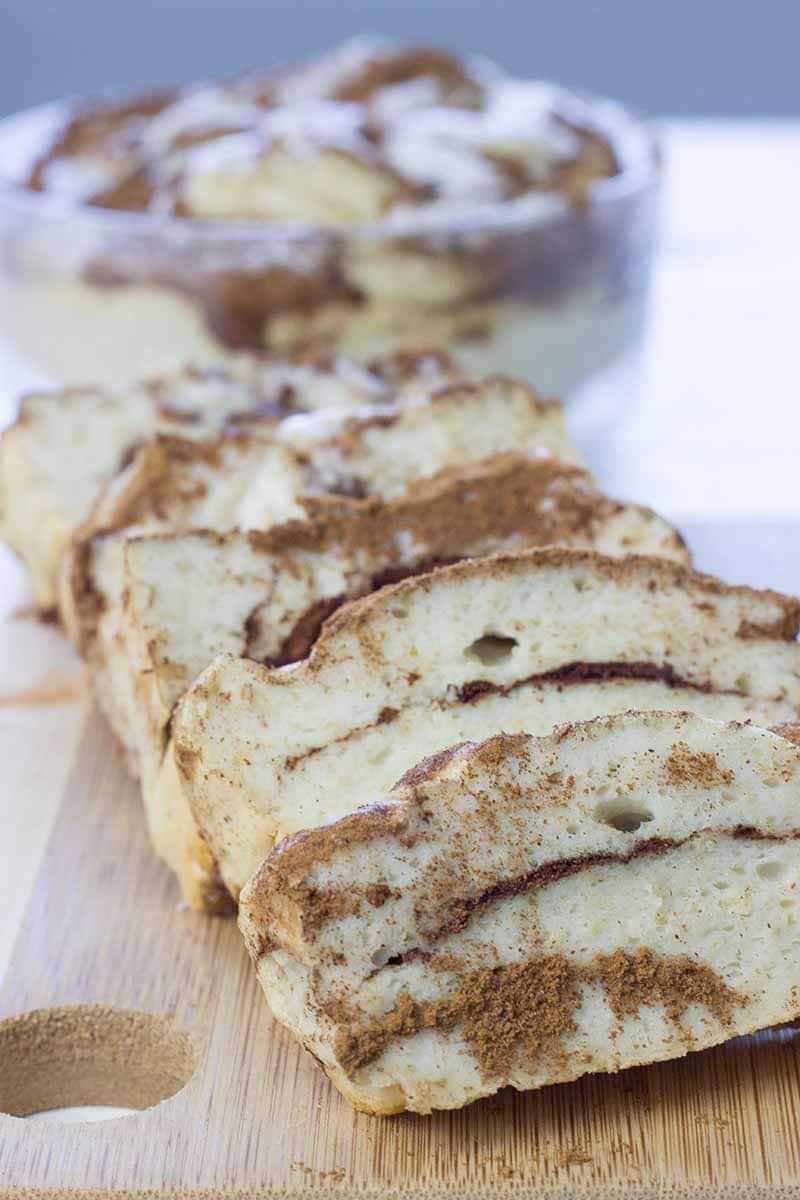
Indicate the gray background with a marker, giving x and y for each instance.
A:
(703, 57)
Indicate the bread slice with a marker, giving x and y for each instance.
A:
(382, 450)
(510, 643)
(252, 483)
(171, 602)
(66, 446)
(527, 910)
(171, 483)
(180, 599)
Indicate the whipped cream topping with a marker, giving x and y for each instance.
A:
(373, 130)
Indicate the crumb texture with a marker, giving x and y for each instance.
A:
(549, 906)
(518, 643)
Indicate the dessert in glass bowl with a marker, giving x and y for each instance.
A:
(381, 197)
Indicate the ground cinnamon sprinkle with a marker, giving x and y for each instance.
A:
(631, 980)
(326, 906)
(696, 767)
(538, 501)
(378, 893)
(525, 1005)
(355, 1047)
(515, 1013)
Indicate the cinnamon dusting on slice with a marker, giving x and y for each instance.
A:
(456, 513)
(790, 731)
(632, 980)
(515, 1014)
(698, 768)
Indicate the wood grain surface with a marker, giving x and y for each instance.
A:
(103, 926)
(258, 1118)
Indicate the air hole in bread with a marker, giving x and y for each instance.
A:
(400, 613)
(491, 649)
(624, 815)
(385, 958)
(774, 869)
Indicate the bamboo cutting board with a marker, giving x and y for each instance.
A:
(250, 1114)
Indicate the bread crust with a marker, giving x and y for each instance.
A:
(461, 961)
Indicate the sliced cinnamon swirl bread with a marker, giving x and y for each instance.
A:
(527, 910)
(152, 611)
(341, 427)
(518, 643)
(67, 445)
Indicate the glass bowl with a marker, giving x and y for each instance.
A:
(541, 287)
